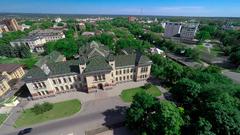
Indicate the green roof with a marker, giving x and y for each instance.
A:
(51, 58)
(56, 69)
(97, 64)
(35, 74)
(131, 60)
(94, 49)
(67, 67)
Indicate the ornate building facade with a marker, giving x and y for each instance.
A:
(95, 69)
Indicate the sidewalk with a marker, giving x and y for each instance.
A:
(85, 97)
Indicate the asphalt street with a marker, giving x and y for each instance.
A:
(92, 115)
(232, 75)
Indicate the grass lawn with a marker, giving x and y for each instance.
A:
(60, 110)
(28, 62)
(2, 118)
(127, 95)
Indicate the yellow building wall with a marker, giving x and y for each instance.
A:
(4, 87)
(17, 74)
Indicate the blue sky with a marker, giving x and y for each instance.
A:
(125, 7)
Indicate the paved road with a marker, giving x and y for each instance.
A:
(232, 75)
(93, 114)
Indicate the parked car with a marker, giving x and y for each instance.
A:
(25, 131)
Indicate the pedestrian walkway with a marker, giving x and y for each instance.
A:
(85, 97)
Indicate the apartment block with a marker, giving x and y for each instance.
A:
(36, 39)
(172, 29)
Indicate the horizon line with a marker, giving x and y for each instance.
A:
(96, 14)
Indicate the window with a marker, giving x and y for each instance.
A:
(56, 88)
(44, 85)
(67, 87)
(116, 72)
(131, 70)
(103, 76)
(116, 79)
(99, 77)
(40, 85)
(39, 93)
(35, 85)
(64, 79)
(43, 92)
(62, 88)
(144, 69)
(124, 78)
(120, 78)
(127, 77)
(124, 71)
(79, 78)
(69, 78)
(71, 86)
(131, 76)
(54, 81)
(112, 74)
(59, 80)
(95, 78)
(47, 92)
(120, 72)
(75, 78)
(127, 70)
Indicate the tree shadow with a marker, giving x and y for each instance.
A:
(115, 120)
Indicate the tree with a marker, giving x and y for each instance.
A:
(235, 57)
(42, 108)
(221, 110)
(169, 118)
(186, 90)
(46, 25)
(203, 35)
(147, 86)
(157, 28)
(212, 69)
(60, 24)
(149, 116)
(173, 72)
(203, 127)
(140, 111)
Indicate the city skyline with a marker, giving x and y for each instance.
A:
(213, 8)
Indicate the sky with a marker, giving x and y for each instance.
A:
(217, 8)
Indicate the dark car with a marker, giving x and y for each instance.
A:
(25, 131)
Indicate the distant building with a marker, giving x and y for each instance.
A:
(53, 57)
(3, 28)
(188, 33)
(172, 29)
(163, 24)
(96, 69)
(81, 26)
(24, 27)
(9, 72)
(155, 50)
(11, 24)
(49, 34)
(36, 39)
(132, 19)
(58, 20)
(35, 43)
(88, 34)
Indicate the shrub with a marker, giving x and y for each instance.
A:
(40, 109)
(147, 86)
